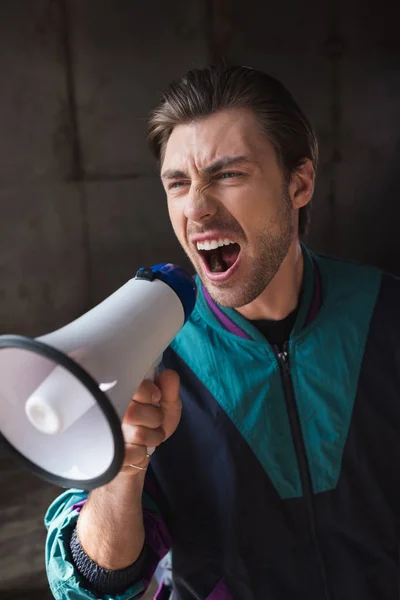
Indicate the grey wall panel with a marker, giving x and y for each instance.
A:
(22, 535)
(42, 263)
(124, 54)
(129, 228)
(34, 119)
(368, 208)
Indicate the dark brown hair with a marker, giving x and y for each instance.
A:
(202, 92)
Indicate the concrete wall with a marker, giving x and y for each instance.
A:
(80, 202)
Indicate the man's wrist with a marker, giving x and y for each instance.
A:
(102, 580)
(110, 526)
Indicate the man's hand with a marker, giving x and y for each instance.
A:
(151, 418)
(110, 526)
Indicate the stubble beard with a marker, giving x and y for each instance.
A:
(272, 245)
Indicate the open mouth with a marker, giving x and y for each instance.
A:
(219, 256)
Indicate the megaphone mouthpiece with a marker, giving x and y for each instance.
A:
(42, 415)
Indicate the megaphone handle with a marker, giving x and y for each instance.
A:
(152, 374)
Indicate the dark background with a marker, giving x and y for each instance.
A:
(81, 203)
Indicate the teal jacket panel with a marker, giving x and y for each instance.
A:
(326, 360)
(244, 376)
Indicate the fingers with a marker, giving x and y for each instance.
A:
(142, 436)
(168, 382)
(137, 441)
(170, 404)
(151, 417)
(147, 393)
(142, 414)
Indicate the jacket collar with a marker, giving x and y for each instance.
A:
(230, 320)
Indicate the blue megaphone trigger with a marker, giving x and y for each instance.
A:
(177, 278)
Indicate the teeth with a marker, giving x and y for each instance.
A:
(213, 244)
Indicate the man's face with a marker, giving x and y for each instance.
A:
(228, 204)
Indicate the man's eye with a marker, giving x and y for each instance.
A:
(229, 175)
(176, 184)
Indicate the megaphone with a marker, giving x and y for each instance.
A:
(63, 395)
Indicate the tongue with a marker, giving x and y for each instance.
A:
(223, 258)
(216, 264)
(229, 254)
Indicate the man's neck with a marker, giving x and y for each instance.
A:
(281, 296)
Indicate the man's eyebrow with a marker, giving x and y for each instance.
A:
(174, 174)
(225, 162)
(218, 165)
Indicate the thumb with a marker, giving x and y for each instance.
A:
(170, 403)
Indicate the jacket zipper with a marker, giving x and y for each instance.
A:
(300, 449)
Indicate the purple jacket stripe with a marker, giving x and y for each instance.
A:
(226, 321)
(78, 506)
(158, 539)
(220, 593)
(163, 592)
(235, 329)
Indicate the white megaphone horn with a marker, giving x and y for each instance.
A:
(63, 395)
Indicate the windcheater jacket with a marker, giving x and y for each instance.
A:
(282, 481)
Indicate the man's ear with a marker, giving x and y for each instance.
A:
(301, 186)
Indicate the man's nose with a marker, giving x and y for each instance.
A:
(200, 205)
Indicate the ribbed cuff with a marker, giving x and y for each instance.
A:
(101, 580)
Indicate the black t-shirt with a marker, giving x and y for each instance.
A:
(277, 332)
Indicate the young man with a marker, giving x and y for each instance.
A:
(279, 478)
